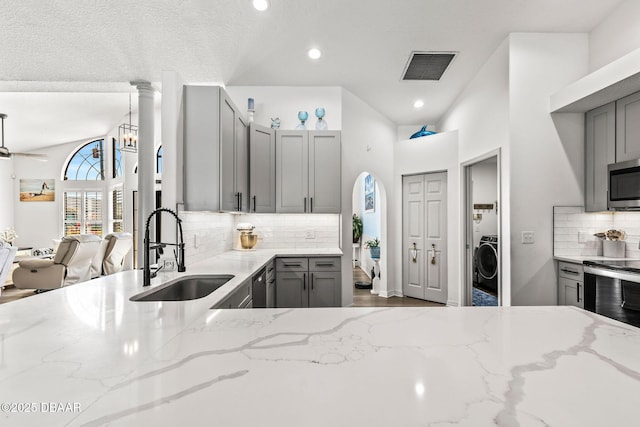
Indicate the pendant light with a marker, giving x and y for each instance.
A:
(128, 134)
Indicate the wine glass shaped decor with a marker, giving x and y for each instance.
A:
(321, 124)
(303, 116)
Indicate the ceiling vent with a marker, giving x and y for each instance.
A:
(427, 65)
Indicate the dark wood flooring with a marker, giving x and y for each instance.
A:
(364, 297)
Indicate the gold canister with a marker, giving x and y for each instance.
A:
(248, 240)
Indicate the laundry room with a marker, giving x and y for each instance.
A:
(484, 198)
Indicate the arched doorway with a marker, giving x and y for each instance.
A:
(369, 209)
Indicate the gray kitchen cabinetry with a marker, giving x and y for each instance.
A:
(240, 298)
(262, 169)
(215, 151)
(570, 284)
(308, 172)
(271, 284)
(308, 282)
(628, 128)
(600, 150)
(234, 157)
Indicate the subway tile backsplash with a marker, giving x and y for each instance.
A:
(208, 234)
(570, 221)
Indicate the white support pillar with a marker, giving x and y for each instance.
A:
(146, 160)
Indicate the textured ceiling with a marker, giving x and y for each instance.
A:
(366, 44)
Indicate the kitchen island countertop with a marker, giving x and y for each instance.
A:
(115, 362)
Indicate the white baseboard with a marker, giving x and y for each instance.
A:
(452, 303)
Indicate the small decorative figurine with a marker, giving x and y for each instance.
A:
(321, 124)
(275, 123)
(422, 132)
(303, 116)
(251, 109)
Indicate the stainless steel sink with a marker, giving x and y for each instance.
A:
(185, 288)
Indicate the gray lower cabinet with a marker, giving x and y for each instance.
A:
(308, 172)
(234, 157)
(308, 282)
(262, 169)
(240, 298)
(628, 128)
(271, 284)
(570, 284)
(600, 150)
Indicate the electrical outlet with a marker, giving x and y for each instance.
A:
(528, 237)
(310, 234)
(582, 236)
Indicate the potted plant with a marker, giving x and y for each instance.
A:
(374, 247)
(357, 228)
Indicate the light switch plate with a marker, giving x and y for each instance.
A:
(310, 234)
(582, 236)
(528, 237)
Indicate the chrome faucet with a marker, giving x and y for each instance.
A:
(147, 274)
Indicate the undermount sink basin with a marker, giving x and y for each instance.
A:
(185, 288)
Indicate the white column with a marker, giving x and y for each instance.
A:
(146, 160)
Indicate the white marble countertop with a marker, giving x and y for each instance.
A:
(107, 361)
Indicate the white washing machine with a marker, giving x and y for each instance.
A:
(486, 262)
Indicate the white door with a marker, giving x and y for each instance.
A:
(424, 236)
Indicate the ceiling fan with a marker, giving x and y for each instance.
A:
(6, 154)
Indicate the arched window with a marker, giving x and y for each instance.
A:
(87, 163)
(117, 159)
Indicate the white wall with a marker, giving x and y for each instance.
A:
(433, 153)
(367, 145)
(617, 35)
(285, 102)
(484, 177)
(480, 114)
(7, 195)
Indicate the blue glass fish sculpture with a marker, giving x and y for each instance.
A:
(422, 132)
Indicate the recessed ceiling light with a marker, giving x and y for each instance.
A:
(419, 103)
(261, 5)
(314, 53)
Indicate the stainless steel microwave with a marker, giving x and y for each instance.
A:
(624, 185)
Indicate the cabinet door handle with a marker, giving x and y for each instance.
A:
(564, 270)
(578, 291)
(311, 281)
(311, 204)
(237, 201)
(292, 265)
(305, 204)
(240, 202)
(324, 264)
(270, 269)
(254, 203)
(304, 281)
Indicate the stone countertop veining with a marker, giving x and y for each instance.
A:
(129, 364)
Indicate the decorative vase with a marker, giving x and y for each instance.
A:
(321, 124)
(375, 252)
(303, 116)
(613, 248)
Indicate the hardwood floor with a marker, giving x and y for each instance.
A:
(364, 297)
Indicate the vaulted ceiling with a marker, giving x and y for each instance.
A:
(99, 46)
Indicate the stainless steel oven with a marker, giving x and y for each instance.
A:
(612, 292)
(624, 185)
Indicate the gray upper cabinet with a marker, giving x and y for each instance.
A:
(292, 171)
(628, 128)
(201, 149)
(234, 157)
(325, 172)
(599, 152)
(308, 172)
(262, 169)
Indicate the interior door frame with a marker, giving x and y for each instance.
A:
(467, 225)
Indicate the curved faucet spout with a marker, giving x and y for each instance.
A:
(147, 245)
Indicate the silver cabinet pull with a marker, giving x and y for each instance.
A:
(292, 265)
(564, 270)
(324, 264)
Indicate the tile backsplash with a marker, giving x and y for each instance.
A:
(570, 221)
(207, 234)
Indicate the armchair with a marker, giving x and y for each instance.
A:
(115, 257)
(7, 254)
(71, 265)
